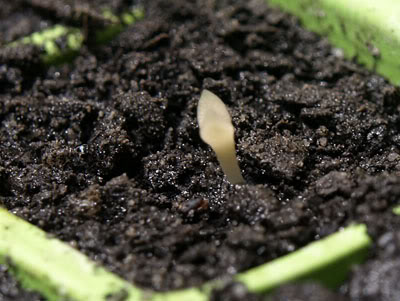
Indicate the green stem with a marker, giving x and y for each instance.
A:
(58, 271)
(48, 39)
(53, 268)
(367, 30)
(327, 261)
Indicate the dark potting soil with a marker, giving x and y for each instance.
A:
(105, 154)
(290, 292)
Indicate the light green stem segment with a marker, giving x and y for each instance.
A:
(396, 210)
(368, 30)
(53, 268)
(59, 272)
(74, 37)
(327, 261)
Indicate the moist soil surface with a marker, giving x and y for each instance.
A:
(105, 154)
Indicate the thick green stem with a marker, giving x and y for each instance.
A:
(59, 272)
(367, 30)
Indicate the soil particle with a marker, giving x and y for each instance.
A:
(234, 292)
(18, 21)
(304, 292)
(377, 280)
(105, 154)
(292, 292)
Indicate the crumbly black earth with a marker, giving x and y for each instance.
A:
(105, 154)
(290, 292)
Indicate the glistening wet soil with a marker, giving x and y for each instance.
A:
(104, 153)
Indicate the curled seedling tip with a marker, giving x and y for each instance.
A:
(217, 131)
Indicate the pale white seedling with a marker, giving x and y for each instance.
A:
(217, 131)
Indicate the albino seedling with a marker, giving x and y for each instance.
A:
(217, 131)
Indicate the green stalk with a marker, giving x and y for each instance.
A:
(53, 268)
(48, 39)
(367, 30)
(59, 272)
(327, 261)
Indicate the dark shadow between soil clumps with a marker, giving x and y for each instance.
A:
(105, 154)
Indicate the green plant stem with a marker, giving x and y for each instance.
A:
(367, 30)
(327, 261)
(58, 271)
(48, 39)
(53, 268)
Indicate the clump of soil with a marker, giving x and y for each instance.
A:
(105, 154)
(290, 292)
